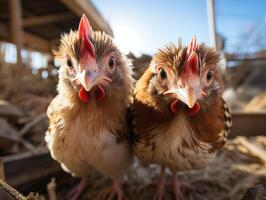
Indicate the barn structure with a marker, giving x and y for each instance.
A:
(38, 24)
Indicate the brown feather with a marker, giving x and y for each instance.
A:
(69, 47)
(82, 135)
(153, 120)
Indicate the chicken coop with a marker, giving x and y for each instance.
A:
(30, 30)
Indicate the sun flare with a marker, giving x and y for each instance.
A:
(126, 38)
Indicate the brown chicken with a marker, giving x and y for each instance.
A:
(88, 116)
(179, 117)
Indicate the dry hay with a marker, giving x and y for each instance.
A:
(257, 104)
(239, 166)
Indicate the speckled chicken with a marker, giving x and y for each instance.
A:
(88, 128)
(179, 117)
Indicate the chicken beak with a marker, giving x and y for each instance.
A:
(187, 95)
(88, 79)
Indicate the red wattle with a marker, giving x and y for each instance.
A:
(194, 110)
(99, 93)
(83, 95)
(174, 106)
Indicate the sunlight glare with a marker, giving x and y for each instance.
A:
(127, 39)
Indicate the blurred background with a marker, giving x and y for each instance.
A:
(31, 29)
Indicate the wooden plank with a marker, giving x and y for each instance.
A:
(85, 6)
(35, 42)
(9, 193)
(46, 19)
(32, 170)
(248, 124)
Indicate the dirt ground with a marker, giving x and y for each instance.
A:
(239, 166)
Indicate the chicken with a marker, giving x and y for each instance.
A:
(87, 118)
(179, 117)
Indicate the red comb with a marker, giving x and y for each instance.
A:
(192, 45)
(191, 64)
(85, 33)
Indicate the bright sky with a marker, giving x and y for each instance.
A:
(142, 26)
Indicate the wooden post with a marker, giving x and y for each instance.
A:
(2, 173)
(212, 26)
(16, 27)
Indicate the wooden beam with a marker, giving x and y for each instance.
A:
(80, 7)
(31, 171)
(242, 59)
(2, 173)
(16, 27)
(248, 124)
(30, 40)
(34, 42)
(46, 19)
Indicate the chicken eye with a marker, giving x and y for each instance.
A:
(69, 63)
(162, 74)
(209, 76)
(111, 63)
